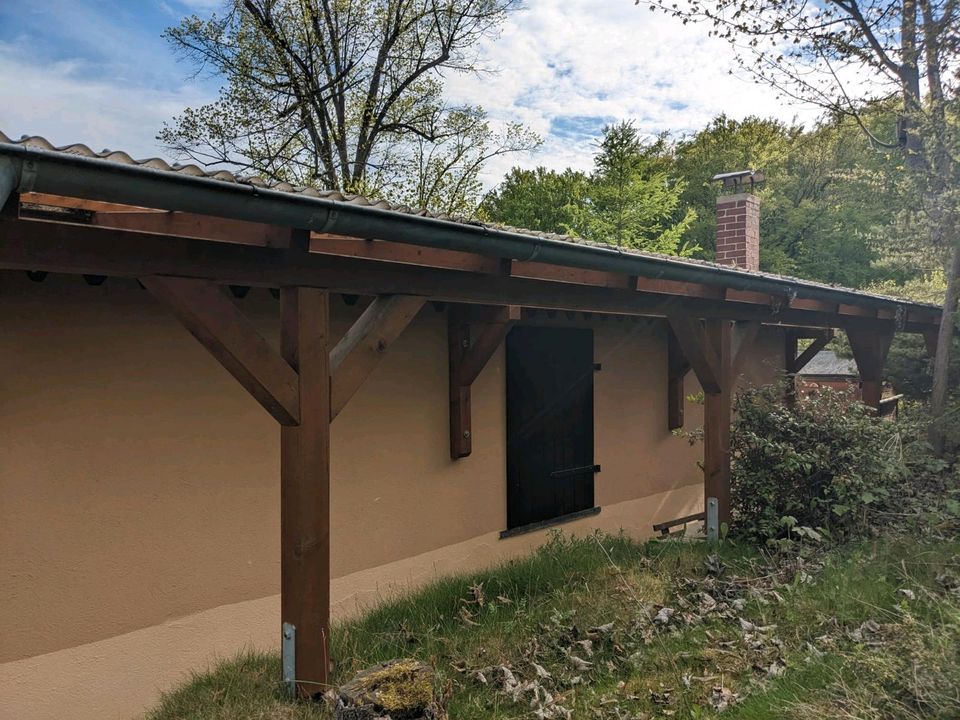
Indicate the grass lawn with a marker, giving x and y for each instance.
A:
(605, 627)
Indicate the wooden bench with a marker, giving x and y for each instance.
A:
(664, 527)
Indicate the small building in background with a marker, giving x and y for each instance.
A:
(829, 370)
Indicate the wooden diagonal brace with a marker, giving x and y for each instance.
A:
(361, 349)
(215, 320)
(798, 363)
(699, 353)
(471, 345)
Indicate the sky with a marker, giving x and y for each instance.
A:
(99, 72)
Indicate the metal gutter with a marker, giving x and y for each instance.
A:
(9, 178)
(61, 173)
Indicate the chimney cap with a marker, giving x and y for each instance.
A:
(739, 178)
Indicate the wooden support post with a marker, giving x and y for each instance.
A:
(791, 346)
(709, 348)
(470, 347)
(361, 349)
(870, 350)
(305, 487)
(677, 369)
(716, 420)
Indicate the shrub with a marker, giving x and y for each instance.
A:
(823, 462)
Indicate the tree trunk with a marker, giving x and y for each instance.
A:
(941, 366)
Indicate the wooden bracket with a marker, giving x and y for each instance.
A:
(870, 350)
(214, 319)
(690, 334)
(362, 348)
(471, 345)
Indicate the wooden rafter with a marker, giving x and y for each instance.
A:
(215, 320)
(471, 345)
(361, 349)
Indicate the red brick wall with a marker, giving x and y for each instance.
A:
(738, 231)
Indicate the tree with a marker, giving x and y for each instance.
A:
(344, 94)
(632, 198)
(848, 56)
(538, 199)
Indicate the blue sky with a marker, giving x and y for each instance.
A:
(99, 72)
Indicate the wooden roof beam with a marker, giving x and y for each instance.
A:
(81, 249)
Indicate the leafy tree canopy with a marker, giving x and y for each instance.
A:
(345, 95)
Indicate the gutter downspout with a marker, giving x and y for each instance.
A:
(61, 173)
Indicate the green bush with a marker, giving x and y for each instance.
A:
(822, 463)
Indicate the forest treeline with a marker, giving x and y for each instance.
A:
(834, 207)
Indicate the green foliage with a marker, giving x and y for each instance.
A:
(822, 463)
(630, 200)
(345, 95)
(538, 199)
(828, 199)
(632, 197)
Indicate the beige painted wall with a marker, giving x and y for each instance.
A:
(139, 483)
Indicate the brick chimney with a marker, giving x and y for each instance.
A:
(738, 230)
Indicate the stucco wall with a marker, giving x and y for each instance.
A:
(139, 487)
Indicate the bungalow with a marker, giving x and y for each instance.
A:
(445, 391)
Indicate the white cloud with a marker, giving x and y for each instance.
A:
(564, 67)
(60, 103)
(563, 60)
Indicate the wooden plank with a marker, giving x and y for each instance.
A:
(674, 287)
(305, 488)
(62, 247)
(815, 305)
(216, 321)
(856, 311)
(196, 226)
(61, 201)
(748, 296)
(403, 253)
(677, 369)
(716, 421)
(470, 347)
(699, 353)
(366, 342)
